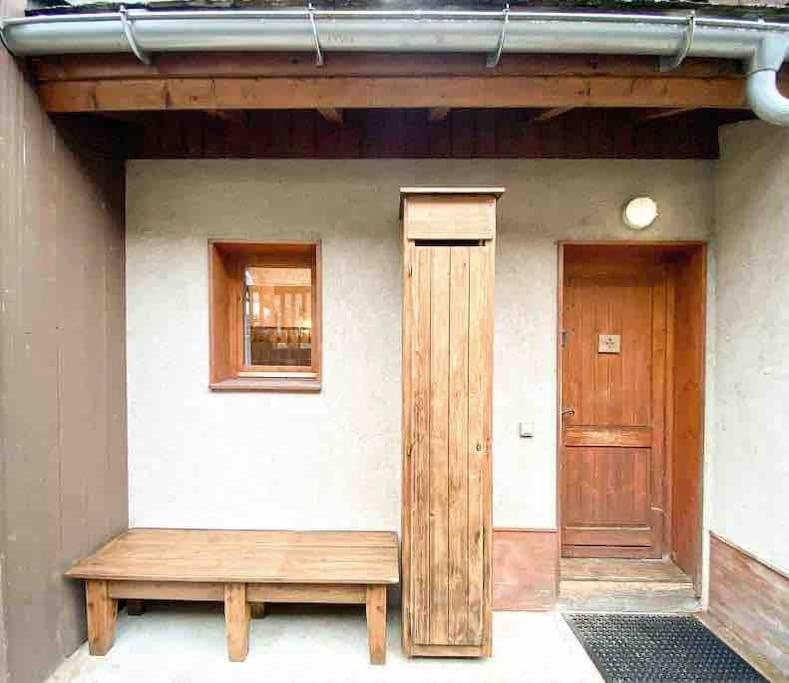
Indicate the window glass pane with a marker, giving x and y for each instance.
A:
(278, 316)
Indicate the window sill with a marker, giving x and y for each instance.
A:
(276, 384)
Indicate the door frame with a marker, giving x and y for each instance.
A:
(690, 256)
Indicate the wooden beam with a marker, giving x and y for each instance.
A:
(549, 114)
(437, 114)
(391, 92)
(264, 65)
(332, 115)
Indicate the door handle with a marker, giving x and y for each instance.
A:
(568, 411)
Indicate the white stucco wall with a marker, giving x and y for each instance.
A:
(333, 460)
(749, 473)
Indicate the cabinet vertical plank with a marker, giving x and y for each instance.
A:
(409, 437)
(420, 456)
(479, 389)
(439, 446)
(458, 444)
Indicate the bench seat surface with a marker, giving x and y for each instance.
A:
(306, 557)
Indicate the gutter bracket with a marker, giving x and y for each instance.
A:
(128, 31)
(2, 38)
(671, 63)
(493, 59)
(318, 51)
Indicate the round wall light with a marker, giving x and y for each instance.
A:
(640, 213)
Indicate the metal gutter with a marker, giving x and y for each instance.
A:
(761, 45)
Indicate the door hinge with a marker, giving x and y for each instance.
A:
(410, 270)
(563, 338)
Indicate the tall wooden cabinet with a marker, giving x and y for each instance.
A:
(449, 245)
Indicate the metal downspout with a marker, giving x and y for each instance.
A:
(763, 95)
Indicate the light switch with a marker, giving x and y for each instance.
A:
(526, 430)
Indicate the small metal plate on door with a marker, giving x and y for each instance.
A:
(609, 343)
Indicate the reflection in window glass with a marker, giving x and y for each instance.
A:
(278, 316)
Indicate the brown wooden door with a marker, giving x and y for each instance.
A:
(614, 344)
(449, 356)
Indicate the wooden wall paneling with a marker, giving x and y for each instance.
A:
(749, 606)
(479, 133)
(62, 367)
(525, 569)
(687, 448)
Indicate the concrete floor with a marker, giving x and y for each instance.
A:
(186, 644)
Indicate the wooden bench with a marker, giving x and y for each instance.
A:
(241, 569)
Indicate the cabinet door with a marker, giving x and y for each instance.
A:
(450, 424)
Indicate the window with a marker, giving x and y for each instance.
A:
(265, 316)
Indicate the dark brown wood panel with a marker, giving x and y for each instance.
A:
(260, 65)
(63, 371)
(408, 133)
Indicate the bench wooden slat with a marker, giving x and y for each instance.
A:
(241, 556)
(151, 537)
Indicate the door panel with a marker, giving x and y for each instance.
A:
(612, 437)
(450, 385)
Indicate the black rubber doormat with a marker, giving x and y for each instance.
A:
(652, 647)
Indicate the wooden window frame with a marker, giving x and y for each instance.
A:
(226, 263)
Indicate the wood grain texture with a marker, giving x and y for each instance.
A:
(447, 367)
(450, 218)
(480, 431)
(751, 599)
(525, 569)
(62, 368)
(237, 617)
(138, 591)
(102, 613)
(245, 556)
(687, 430)
(407, 133)
(460, 450)
(612, 442)
(375, 609)
(438, 566)
(307, 593)
(614, 569)
(341, 92)
(677, 271)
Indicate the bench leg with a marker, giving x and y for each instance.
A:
(135, 608)
(258, 609)
(237, 614)
(102, 615)
(376, 623)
